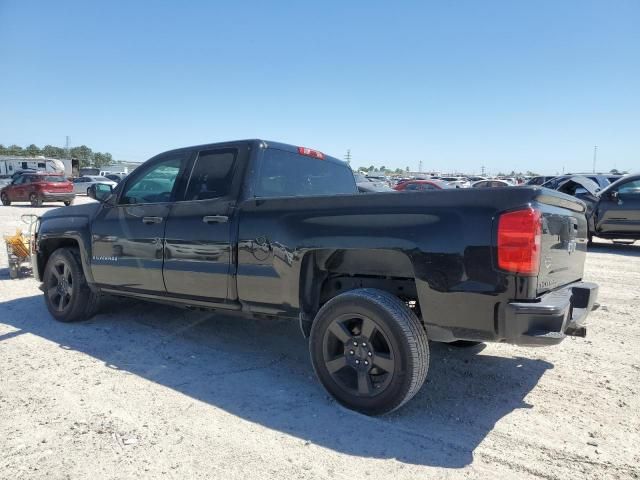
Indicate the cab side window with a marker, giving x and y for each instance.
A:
(212, 174)
(153, 184)
(630, 188)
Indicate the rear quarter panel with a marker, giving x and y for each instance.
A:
(447, 236)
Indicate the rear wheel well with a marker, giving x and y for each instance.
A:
(327, 274)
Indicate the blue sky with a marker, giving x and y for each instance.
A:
(457, 84)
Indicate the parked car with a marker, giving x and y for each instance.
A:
(81, 184)
(614, 177)
(104, 173)
(601, 180)
(510, 180)
(378, 178)
(491, 184)
(116, 177)
(539, 180)
(457, 182)
(268, 229)
(37, 188)
(368, 185)
(421, 185)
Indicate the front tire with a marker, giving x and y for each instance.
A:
(68, 203)
(5, 200)
(35, 200)
(369, 350)
(66, 293)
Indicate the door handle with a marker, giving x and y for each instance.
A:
(215, 219)
(150, 220)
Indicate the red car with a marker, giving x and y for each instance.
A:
(421, 185)
(37, 188)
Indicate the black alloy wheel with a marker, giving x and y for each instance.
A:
(358, 355)
(369, 350)
(66, 292)
(59, 287)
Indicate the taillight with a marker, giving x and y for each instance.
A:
(308, 152)
(519, 237)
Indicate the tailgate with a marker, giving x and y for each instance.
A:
(563, 246)
(57, 187)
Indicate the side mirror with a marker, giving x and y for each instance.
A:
(100, 191)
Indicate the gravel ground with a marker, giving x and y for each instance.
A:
(145, 391)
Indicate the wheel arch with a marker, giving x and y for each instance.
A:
(326, 273)
(54, 234)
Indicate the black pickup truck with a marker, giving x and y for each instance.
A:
(274, 230)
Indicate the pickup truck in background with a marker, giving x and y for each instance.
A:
(613, 212)
(616, 211)
(274, 230)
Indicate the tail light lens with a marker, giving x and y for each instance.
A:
(519, 238)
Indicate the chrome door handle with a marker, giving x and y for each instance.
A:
(150, 220)
(215, 219)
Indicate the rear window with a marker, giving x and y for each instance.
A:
(52, 179)
(288, 174)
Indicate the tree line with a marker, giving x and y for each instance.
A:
(84, 154)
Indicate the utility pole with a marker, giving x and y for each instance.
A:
(482, 168)
(595, 156)
(66, 145)
(420, 167)
(347, 156)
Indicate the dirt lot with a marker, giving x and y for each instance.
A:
(145, 391)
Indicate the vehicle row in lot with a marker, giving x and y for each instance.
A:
(422, 185)
(269, 229)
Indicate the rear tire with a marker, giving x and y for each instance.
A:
(5, 200)
(66, 293)
(369, 350)
(35, 200)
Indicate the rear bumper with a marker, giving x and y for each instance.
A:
(57, 197)
(552, 317)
